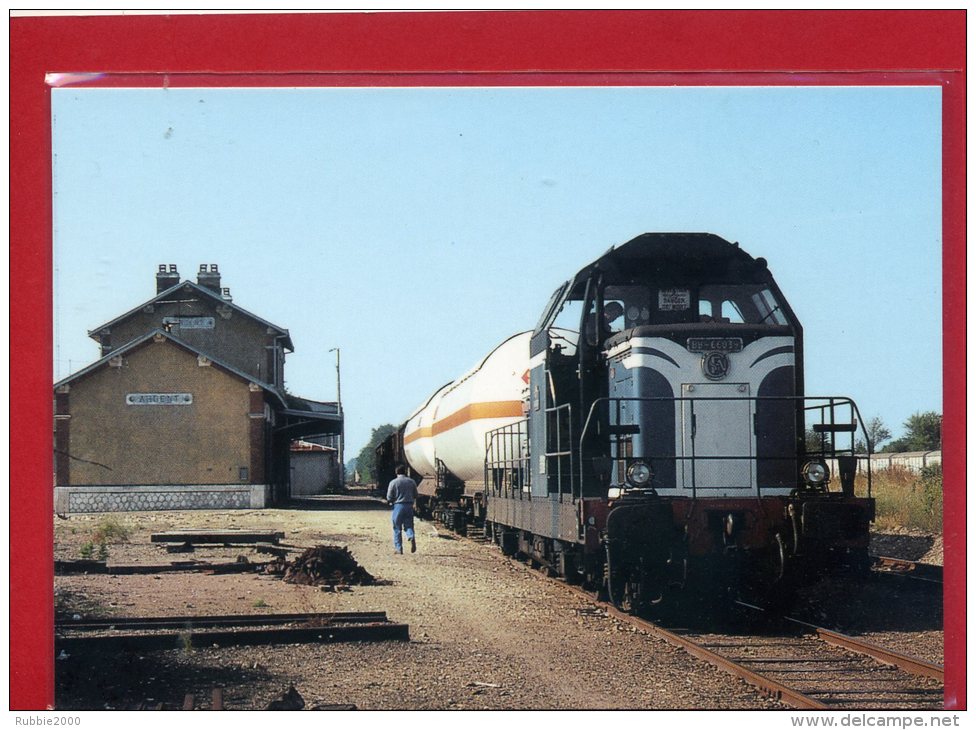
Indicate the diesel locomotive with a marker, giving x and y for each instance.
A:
(651, 435)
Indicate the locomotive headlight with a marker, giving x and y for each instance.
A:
(615, 493)
(815, 473)
(639, 474)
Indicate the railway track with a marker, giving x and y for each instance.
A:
(924, 573)
(146, 634)
(800, 664)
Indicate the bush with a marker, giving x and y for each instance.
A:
(931, 494)
(108, 531)
(909, 499)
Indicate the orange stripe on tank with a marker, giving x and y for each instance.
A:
(471, 412)
(420, 433)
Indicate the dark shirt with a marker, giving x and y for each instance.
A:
(402, 490)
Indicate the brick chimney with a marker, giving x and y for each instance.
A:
(166, 277)
(209, 277)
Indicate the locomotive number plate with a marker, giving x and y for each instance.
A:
(715, 344)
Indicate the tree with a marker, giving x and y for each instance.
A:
(351, 469)
(877, 432)
(923, 432)
(366, 459)
(817, 443)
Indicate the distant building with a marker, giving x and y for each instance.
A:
(185, 409)
(314, 469)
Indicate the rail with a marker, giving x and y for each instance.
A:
(130, 634)
(787, 665)
(924, 573)
(507, 460)
(559, 423)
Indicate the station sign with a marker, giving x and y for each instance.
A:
(191, 323)
(158, 399)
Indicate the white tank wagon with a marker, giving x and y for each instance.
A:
(418, 446)
(444, 441)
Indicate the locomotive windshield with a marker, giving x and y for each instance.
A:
(632, 306)
(627, 306)
(668, 283)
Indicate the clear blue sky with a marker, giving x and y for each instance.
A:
(417, 228)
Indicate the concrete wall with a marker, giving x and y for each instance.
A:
(69, 500)
(208, 442)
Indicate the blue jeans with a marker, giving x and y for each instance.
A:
(402, 519)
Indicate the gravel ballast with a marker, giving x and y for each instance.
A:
(486, 632)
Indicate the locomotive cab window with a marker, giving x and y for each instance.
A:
(739, 304)
(626, 307)
(569, 316)
(724, 312)
(547, 313)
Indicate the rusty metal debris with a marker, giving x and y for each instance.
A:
(65, 567)
(271, 549)
(241, 565)
(189, 622)
(216, 700)
(205, 537)
(170, 633)
(923, 572)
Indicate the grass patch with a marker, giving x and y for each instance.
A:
(259, 603)
(908, 499)
(108, 531)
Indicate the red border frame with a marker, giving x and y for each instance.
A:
(589, 47)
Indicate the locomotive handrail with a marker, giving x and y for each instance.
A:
(559, 454)
(824, 404)
(519, 463)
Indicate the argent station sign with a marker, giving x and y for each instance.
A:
(158, 399)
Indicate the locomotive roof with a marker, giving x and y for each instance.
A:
(702, 252)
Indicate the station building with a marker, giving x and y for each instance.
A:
(186, 408)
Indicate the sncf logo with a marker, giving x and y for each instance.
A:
(715, 365)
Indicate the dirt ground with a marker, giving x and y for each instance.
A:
(485, 632)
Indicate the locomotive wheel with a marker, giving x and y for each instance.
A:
(778, 597)
(621, 592)
(568, 569)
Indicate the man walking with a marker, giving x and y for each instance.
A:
(402, 493)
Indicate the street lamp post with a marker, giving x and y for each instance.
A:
(342, 424)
